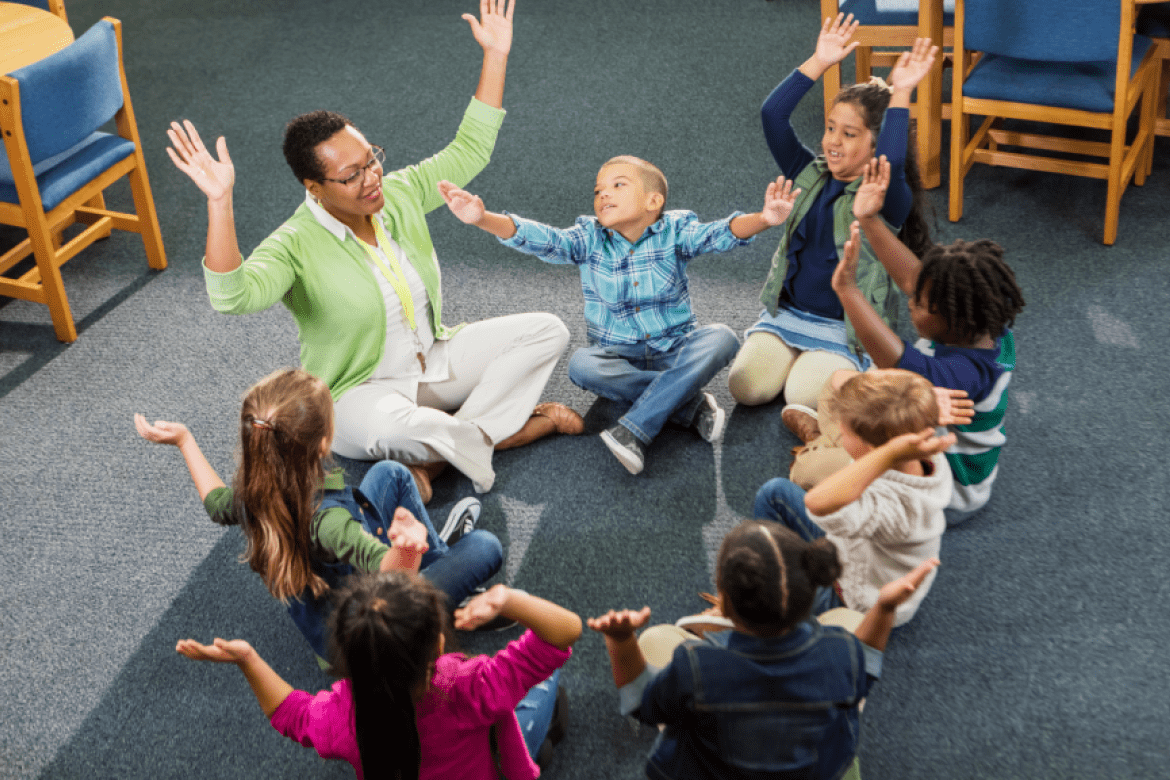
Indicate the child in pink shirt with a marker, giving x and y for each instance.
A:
(430, 714)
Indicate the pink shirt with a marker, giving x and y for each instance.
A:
(467, 695)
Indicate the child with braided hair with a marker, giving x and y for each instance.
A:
(963, 300)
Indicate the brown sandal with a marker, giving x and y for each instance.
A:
(564, 419)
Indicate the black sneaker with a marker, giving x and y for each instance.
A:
(626, 447)
(498, 623)
(710, 418)
(461, 521)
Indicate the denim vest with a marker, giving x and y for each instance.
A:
(781, 708)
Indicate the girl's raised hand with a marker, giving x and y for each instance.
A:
(493, 28)
(913, 65)
(845, 274)
(833, 43)
(620, 624)
(481, 609)
(871, 195)
(162, 432)
(214, 177)
(954, 407)
(778, 201)
(895, 593)
(466, 207)
(221, 651)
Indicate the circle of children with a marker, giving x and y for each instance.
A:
(759, 687)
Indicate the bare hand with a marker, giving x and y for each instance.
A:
(778, 201)
(871, 195)
(923, 445)
(223, 651)
(484, 607)
(467, 207)
(954, 407)
(833, 43)
(214, 177)
(408, 542)
(620, 625)
(493, 29)
(913, 65)
(894, 593)
(162, 432)
(845, 274)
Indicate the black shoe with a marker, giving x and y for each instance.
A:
(498, 623)
(461, 521)
(626, 447)
(709, 419)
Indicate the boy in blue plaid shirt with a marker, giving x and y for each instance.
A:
(645, 347)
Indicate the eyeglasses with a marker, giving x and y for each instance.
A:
(378, 157)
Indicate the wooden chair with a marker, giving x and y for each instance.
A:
(1154, 23)
(58, 165)
(1064, 62)
(52, 6)
(894, 32)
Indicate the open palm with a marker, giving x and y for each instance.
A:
(493, 28)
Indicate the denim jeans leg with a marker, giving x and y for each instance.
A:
(618, 373)
(389, 485)
(782, 501)
(535, 712)
(468, 563)
(684, 371)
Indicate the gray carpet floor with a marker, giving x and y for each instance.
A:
(1031, 657)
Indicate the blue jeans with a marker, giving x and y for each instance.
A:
(534, 712)
(782, 501)
(456, 570)
(660, 386)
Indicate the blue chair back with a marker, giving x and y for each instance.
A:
(68, 95)
(1044, 30)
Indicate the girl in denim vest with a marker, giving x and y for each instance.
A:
(776, 697)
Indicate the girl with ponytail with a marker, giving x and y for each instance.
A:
(305, 531)
(777, 696)
(405, 709)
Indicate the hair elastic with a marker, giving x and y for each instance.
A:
(258, 423)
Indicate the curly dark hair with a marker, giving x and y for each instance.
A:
(871, 101)
(970, 286)
(302, 135)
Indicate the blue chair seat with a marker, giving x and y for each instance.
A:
(866, 12)
(1085, 86)
(63, 174)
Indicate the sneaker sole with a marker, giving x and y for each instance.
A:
(717, 427)
(625, 457)
(454, 515)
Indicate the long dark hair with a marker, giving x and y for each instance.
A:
(385, 639)
(768, 576)
(278, 484)
(871, 100)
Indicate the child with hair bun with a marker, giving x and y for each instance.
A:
(884, 510)
(777, 696)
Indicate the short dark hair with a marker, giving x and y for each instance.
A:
(302, 135)
(971, 288)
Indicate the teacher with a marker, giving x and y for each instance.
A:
(355, 266)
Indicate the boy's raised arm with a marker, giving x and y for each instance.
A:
(778, 202)
(879, 340)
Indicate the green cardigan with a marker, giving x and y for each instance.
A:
(872, 278)
(327, 284)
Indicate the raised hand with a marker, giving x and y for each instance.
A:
(845, 274)
(214, 177)
(406, 532)
(162, 432)
(778, 201)
(918, 446)
(833, 43)
(493, 28)
(620, 624)
(466, 207)
(481, 609)
(954, 407)
(913, 65)
(871, 195)
(222, 651)
(897, 592)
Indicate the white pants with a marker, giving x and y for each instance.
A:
(497, 370)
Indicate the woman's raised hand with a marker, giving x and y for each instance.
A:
(214, 177)
(493, 28)
(913, 65)
(833, 44)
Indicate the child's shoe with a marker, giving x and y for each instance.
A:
(802, 421)
(625, 447)
(710, 418)
(461, 521)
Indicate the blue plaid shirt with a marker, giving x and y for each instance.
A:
(633, 292)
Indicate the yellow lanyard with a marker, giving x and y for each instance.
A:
(397, 279)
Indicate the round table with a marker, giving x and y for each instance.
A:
(29, 34)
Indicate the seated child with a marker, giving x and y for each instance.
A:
(884, 510)
(644, 346)
(776, 697)
(963, 300)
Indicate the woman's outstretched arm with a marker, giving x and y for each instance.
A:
(493, 31)
(216, 179)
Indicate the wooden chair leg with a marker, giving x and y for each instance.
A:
(958, 145)
(862, 64)
(99, 202)
(52, 286)
(147, 217)
(832, 83)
